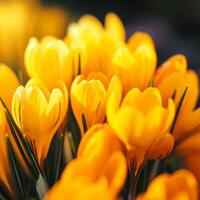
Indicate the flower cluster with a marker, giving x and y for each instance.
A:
(98, 119)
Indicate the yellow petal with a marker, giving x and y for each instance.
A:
(114, 26)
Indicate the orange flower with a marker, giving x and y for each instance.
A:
(4, 167)
(135, 62)
(8, 84)
(178, 186)
(192, 162)
(142, 122)
(89, 95)
(99, 171)
(173, 79)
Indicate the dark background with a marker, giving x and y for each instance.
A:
(173, 24)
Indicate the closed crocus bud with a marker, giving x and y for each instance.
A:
(49, 61)
(174, 80)
(94, 178)
(135, 62)
(47, 110)
(141, 121)
(90, 41)
(89, 96)
(8, 84)
(178, 186)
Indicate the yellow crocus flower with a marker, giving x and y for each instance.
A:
(99, 172)
(141, 121)
(8, 84)
(135, 62)
(91, 41)
(49, 61)
(173, 79)
(47, 110)
(178, 186)
(89, 95)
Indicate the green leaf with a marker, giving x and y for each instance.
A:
(58, 156)
(84, 123)
(73, 127)
(15, 171)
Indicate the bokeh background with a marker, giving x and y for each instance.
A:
(173, 24)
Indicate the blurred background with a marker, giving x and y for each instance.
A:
(174, 25)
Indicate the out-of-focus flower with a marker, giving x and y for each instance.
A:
(49, 61)
(178, 186)
(8, 84)
(142, 122)
(89, 96)
(135, 62)
(4, 167)
(19, 20)
(192, 162)
(99, 172)
(91, 41)
(104, 49)
(47, 111)
(173, 79)
(50, 20)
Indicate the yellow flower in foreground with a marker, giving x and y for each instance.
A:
(8, 84)
(141, 121)
(39, 113)
(99, 172)
(89, 96)
(49, 61)
(173, 79)
(179, 186)
(4, 167)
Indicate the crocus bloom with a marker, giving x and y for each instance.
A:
(141, 121)
(135, 62)
(47, 111)
(99, 172)
(104, 50)
(89, 95)
(91, 41)
(178, 186)
(173, 79)
(49, 61)
(8, 84)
